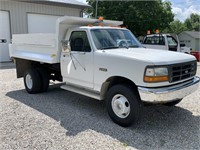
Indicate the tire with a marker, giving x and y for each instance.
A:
(44, 76)
(32, 81)
(131, 106)
(173, 103)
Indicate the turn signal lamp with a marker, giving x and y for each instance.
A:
(156, 79)
(101, 18)
(157, 31)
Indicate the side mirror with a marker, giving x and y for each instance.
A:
(182, 45)
(66, 46)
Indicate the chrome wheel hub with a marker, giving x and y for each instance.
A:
(120, 106)
(29, 81)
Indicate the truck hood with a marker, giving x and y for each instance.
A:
(157, 57)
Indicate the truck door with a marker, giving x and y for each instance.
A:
(77, 66)
(172, 43)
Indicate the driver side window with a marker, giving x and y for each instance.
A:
(171, 41)
(79, 42)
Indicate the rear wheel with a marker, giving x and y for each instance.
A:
(123, 105)
(32, 81)
(44, 79)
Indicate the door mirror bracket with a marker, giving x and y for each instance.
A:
(66, 46)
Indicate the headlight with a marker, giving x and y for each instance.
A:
(156, 74)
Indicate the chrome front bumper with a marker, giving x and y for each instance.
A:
(167, 94)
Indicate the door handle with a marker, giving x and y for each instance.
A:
(3, 41)
(82, 53)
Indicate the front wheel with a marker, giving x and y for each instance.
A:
(123, 105)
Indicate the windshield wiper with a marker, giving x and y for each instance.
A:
(134, 46)
(113, 47)
(129, 46)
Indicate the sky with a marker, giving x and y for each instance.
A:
(181, 8)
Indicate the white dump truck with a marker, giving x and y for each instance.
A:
(98, 59)
(168, 42)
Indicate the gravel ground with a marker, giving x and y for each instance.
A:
(59, 119)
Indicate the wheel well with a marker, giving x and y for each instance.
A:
(21, 66)
(53, 69)
(117, 80)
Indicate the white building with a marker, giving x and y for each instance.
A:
(32, 16)
(190, 39)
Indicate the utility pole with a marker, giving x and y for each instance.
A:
(96, 8)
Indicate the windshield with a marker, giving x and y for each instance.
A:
(113, 38)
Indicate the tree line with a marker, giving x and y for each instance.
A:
(140, 16)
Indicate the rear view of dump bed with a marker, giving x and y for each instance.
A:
(36, 47)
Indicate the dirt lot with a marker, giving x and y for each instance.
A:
(60, 119)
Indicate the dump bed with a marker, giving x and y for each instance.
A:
(38, 47)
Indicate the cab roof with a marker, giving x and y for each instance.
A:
(77, 21)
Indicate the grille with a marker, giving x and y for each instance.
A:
(182, 71)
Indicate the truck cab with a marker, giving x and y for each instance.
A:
(165, 42)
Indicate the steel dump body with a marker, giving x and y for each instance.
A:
(36, 47)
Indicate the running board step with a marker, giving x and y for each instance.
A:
(81, 91)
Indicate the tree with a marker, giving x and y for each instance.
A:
(193, 22)
(176, 27)
(139, 16)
